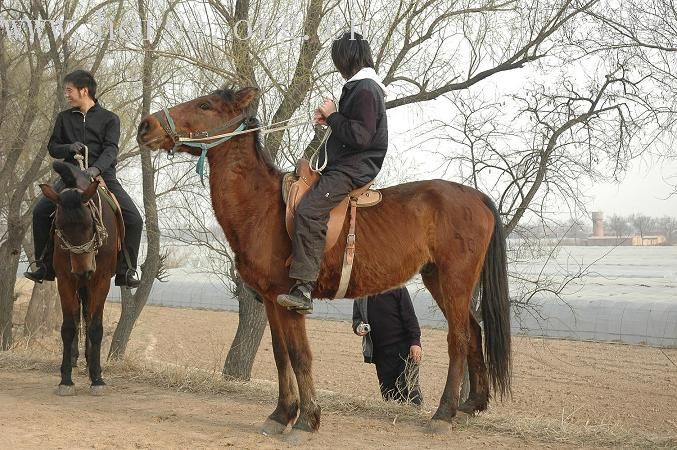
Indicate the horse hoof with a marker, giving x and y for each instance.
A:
(97, 391)
(439, 426)
(468, 407)
(65, 390)
(298, 437)
(271, 427)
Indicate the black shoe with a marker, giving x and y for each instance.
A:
(127, 279)
(42, 273)
(299, 298)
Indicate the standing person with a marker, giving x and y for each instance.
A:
(355, 152)
(393, 344)
(86, 124)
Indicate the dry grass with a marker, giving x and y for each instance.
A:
(194, 380)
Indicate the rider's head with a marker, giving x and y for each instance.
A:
(351, 53)
(79, 87)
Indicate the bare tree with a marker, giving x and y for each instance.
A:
(132, 305)
(642, 224)
(619, 225)
(668, 227)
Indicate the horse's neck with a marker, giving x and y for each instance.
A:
(245, 193)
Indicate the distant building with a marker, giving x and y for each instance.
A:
(599, 239)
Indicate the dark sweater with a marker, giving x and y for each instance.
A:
(98, 129)
(359, 132)
(392, 319)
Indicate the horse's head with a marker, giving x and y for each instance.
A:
(74, 224)
(218, 113)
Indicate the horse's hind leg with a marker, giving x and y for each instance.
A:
(287, 403)
(453, 299)
(479, 383)
(75, 347)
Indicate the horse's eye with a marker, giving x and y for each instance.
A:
(205, 106)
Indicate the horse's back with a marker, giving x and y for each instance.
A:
(428, 203)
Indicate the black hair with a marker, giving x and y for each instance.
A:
(351, 53)
(82, 79)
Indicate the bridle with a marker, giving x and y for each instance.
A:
(199, 139)
(100, 232)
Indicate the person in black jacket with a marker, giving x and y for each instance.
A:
(355, 152)
(86, 124)
(393, 344)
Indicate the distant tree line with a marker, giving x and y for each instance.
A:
(642, 225)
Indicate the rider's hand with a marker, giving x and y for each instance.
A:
(92, 172)
(76, 148)
(318, 118)
(327, 108)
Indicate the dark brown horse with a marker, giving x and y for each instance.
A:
(449, 233)
(85, 257)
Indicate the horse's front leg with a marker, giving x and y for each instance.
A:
(95, 304)
(287, 404)
(301, 361)
(70, 308)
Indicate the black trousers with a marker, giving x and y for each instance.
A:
(133, 223)
(310, 223)
(397, 374)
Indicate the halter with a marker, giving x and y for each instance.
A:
(97, 240)
(196, 140)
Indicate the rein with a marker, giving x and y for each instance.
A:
(199, 139)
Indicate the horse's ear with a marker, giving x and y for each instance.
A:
(88, 193)
(49, 192)
(244, 96)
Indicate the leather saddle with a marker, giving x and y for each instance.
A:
(296, 184)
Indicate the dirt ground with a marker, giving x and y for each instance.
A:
(565, 394)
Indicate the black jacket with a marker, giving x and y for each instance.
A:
(99, 130)
(359, 132)
(392, 319)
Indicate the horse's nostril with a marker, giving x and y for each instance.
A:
(143, 128)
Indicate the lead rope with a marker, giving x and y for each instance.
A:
(83, 160)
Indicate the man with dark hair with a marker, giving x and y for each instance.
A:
(87, 125)
(393, 342)
(355, 152)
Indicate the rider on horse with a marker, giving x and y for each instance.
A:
(355, 152)
(87, 125)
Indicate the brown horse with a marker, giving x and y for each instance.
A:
(449, 233)
(84, 262)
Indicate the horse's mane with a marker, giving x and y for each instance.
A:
(251, 122)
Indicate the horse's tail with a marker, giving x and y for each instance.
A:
(495, 303)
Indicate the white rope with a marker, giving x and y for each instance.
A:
(264, 129)
(271, 128)
(315, 155)
(79, 158)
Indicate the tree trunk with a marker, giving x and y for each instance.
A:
(44, 310)
(132, 305)
(130, 312)
(9, 255)
(251, 324)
